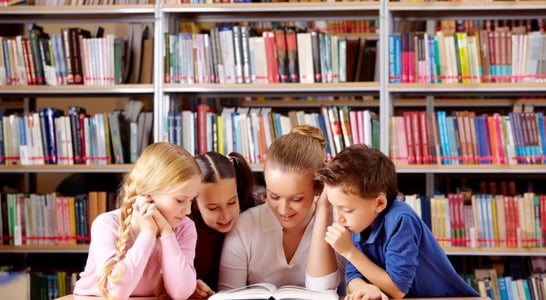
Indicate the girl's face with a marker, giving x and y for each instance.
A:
(218, 204)
(352, 211)
(176, 205)
(290, 195)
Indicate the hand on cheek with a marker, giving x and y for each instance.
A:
(143, 210)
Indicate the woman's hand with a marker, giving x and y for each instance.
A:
(202, 291)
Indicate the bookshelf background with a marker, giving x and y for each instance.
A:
(377, 95)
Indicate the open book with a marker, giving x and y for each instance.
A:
(267, 291)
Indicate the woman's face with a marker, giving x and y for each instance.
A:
(218, 204)
(290, 196)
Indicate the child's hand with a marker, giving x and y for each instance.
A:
(143, 210)
(372, 293)
(202, 291)
(338, 237)
(164, 227)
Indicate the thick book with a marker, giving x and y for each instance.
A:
(269, 291)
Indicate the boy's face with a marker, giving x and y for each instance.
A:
(352, 211)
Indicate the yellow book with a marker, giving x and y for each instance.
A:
(495, 221)
(72, 218)
(220, 131)
(501, 220)
(106, 125)
(462, 49)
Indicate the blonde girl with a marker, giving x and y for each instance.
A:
(147, 246)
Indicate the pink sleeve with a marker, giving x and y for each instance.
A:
(178, 253)
(135, 260)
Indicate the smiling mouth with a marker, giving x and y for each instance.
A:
(286, 217)
(224, 224)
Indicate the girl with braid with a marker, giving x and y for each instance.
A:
(147, 246)
(226, 190)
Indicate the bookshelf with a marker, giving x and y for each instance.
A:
(380, 96)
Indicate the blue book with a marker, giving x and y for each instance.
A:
(503, 289)
(444, 140)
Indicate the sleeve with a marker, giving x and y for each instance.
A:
(352, 273)
(178, 253)
(233, 262)
(402, 251)
(329, 282)
(104, 243)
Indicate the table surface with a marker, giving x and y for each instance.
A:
(78, 297)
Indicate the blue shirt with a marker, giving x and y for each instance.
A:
(402, 244)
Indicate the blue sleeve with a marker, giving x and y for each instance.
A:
(350, 271)
(402, 251)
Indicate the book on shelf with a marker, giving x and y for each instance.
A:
(265, 291)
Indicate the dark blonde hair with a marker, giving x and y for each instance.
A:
(362, 171)
(161, 168)
(302, 150)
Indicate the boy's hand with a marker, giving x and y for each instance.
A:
(202, 291)
(371, 293)
(339, 239)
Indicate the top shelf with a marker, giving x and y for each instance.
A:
(281, 11)
(68, 13)
(467, 9)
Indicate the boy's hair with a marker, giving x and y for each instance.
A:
(161, 168)
(215, 166)
(362, 171)
(301, 150)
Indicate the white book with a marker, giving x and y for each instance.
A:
(269, 291)
(305, 57)
(225, 34)
(227, 128)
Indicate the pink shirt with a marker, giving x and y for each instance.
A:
(146, 258)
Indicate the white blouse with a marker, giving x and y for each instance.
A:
(253, 253)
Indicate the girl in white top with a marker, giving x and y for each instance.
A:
(282, 241)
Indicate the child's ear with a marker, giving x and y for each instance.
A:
(380, 203)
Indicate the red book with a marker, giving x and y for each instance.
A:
(271, 56)
(202, 110)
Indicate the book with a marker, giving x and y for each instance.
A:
(269, 291)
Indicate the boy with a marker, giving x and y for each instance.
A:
(392, 249)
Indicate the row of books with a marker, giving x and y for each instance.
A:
(49, 219)
(237, 54)
(489, 283)
(250, 131)
(467, 57)
(463, 137)
(75, 56)
(50, 137)
(486, 221)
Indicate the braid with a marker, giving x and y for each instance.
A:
(109, 272)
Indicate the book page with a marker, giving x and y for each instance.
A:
(296, 292)
(253, 291)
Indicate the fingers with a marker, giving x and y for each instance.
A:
(202, 291)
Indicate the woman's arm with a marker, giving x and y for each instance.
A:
(322, 258)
